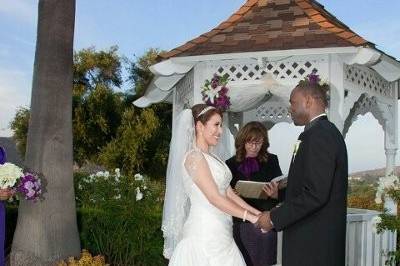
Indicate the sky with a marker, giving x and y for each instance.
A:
(137, 25)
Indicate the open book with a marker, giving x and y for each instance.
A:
(253, 189)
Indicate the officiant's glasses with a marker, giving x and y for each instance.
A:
(255, 143)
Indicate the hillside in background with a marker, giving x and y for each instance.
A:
(373, 174)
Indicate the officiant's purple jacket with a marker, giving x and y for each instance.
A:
(313, 215)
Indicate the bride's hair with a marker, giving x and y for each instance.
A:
(203, 117)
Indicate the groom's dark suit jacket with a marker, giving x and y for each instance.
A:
(313, 215)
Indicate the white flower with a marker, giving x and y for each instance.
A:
(323, 82)
(296, 148)
(139, 194)
(144, 187)
(92, 177)
(378, 198)
(100, 173)
(118, 196)
(9, 174)
(211, 93)
(138, 177)
(376, 220)
(117, 172)
(386, 182)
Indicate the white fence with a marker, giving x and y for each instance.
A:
(363, 246)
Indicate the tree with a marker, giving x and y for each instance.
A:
(157, 147)
(127, 150)
(139, 73)
(97, 108)
(95, 122)
(47, 230)
(20, 127)
(93, 68)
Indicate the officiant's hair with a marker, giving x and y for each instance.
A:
(252, 131)
(203, 118)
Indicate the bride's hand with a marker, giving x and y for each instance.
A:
(257, 212)
(254, 218)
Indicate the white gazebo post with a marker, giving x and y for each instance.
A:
(337, 94)
(391, 143)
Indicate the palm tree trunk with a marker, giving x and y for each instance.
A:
(47, 230)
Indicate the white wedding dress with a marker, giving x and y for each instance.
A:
(207, 233)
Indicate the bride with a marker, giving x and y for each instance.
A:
(199, 202)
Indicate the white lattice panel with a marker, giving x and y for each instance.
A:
(366, 79)
(290, 69)
(274, 111)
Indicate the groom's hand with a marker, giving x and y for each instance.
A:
(264, 222)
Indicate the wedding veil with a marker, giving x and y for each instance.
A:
(176, 203)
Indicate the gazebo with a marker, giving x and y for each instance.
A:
(265, 48)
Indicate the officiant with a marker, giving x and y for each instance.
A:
(253, 162)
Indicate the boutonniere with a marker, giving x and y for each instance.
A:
(296, 148)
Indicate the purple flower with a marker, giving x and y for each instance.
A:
(214, 83)
(212, 97)
(29, 187)
(223, 91)
(222, 102)
(313, 78)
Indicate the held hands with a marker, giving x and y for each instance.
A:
(264, 222)
(271, 189)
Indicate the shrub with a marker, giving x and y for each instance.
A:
(362, 195)
(120, 217)
(391, 222)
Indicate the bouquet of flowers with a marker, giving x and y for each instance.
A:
(23, 183)
(215, 92)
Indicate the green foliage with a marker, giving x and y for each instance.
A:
(127, 150)
(139, 74)
(107, 129)
(20, 126)
(157, 147)
(93, 68)
(392, 223)
(362, 195)
(115, 222)
(97, 109)
(95, 122)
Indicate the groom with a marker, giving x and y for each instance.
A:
(313, 215)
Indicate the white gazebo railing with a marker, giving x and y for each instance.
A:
(364, 247)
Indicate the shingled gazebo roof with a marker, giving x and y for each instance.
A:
(267, 25)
